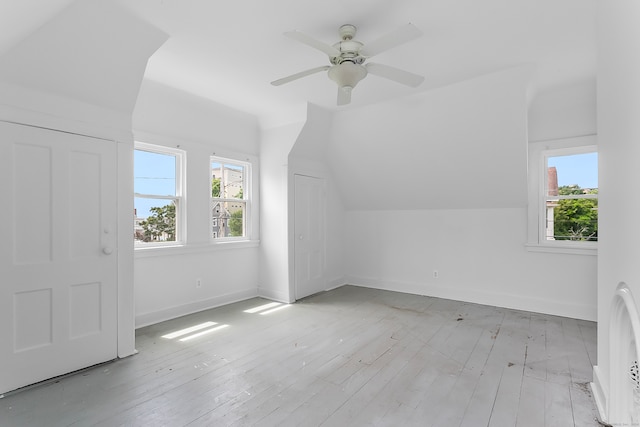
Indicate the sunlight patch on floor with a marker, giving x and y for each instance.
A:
(188, 330)
(263, 307)
(205, 332)
(275, 309)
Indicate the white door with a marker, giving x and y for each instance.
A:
(309, 224)
(58, 269)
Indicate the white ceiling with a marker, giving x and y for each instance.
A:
(229, 52)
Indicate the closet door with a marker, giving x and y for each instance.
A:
(58, 253)
(309, 247)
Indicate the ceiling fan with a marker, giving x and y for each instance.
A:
(348, 56)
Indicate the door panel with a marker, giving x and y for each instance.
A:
(58, 264)
(31, 215)
(309, 236)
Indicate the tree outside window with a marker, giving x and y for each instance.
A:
(572, 198)
(157, 194)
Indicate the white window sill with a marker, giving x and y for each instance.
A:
(155, 251)
(563, 249)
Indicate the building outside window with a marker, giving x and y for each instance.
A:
(158, 195)
(230, 199)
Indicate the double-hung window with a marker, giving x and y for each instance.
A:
(564, 208)
(230, 203)
(158, 195)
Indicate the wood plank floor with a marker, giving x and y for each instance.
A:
(349, 357)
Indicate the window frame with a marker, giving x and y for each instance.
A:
(246, 200)
(179, 198)
(539, 153)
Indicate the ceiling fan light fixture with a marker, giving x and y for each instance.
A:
(347, 74)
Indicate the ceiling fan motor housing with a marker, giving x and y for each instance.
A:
(347, 74)
(348, 47)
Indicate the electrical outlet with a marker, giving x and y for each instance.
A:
(198, 283)
(435, 274)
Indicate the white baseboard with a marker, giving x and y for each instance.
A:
(146, 319)
(599, 395)
(284, 297)
(274, 295)
(335, 283)
(469, 294)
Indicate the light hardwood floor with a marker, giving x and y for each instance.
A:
(349, 357)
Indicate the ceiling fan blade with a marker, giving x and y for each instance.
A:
(299, 75)
(395, 74)
(395, 38)
(316, 44)
(344, 95)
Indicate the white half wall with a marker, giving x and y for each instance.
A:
(165, 285)
(479, 256)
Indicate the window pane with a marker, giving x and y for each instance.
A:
(154, 173)
(227, 180)
(228, 219)
(216, 179)
(234, 182)
(573, 174)
(572, 219)
(155, 220)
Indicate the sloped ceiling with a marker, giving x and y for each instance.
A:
(461, 146)
(20, 18)
(93, 51)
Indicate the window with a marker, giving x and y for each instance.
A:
(563, 200)
(230, 199)
(158, 195)
(571, 199)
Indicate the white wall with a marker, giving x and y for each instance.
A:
(275, 145)
(618, 134)
(165, 278)
(479, 254)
